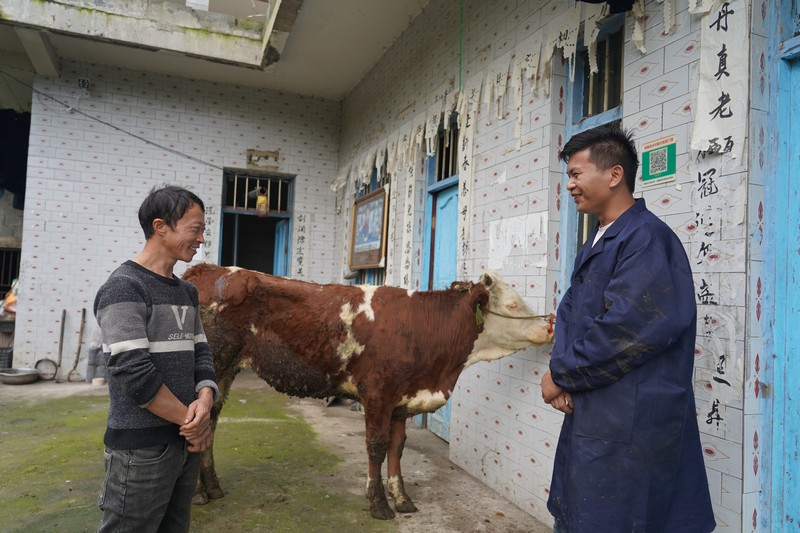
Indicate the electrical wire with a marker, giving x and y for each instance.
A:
(74, 109)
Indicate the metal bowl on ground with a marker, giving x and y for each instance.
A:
(18, 376)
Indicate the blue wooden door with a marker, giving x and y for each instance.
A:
(444, 233)
(785, 196)
(280, 263)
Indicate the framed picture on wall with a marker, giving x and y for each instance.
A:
(368, 231)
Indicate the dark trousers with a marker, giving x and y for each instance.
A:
(148, 489)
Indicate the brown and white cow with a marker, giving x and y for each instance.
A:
(398, 352)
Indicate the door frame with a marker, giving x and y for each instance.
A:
(438, 421)
(782, 264)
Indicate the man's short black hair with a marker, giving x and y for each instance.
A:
(608, 145)
(168, 203)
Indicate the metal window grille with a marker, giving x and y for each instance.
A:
(603, 89)
(9, 268)
(602, 92)
(447, 152)
(240, 185)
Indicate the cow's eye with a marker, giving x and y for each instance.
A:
(512, 306)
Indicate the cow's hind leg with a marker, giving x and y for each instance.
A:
(397, 491)
(377, 430)
(208, 483)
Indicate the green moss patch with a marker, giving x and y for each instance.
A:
(276, 476)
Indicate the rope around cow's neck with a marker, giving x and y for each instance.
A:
(548, 316)
(479, 317)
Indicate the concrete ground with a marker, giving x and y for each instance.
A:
(449, 500)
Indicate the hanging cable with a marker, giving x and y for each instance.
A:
(74, 109)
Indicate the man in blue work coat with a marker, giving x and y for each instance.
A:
(629, 457)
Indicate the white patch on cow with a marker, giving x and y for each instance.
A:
(410, 292)
(366, 305)
(348, 349)
(348, 387)
(424, 401)
(395, 486)
(232, 269)
(351, 346)
(253, 329)
(216, 308)
(347, 315)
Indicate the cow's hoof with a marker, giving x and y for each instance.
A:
(381, 511)
(215, 493)
(199, 498)
(406, 506)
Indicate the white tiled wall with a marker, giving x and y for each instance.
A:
(87, 178)
(501, 432)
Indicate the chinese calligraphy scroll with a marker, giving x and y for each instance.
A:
(721, 121)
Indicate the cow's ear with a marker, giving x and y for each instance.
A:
(479, 296)
(487, 280)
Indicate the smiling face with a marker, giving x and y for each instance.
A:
(592, 189)
(183, 241)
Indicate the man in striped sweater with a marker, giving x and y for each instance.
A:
(160, 373)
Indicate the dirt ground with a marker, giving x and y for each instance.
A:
(449, 500)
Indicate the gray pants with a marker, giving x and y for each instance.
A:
(148, 489)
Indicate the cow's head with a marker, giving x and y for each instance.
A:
(509, 324)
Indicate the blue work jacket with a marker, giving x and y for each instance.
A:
(629, 458)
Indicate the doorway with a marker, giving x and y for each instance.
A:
(254, 236)
(442, 261)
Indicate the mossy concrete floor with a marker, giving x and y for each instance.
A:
(286, 465)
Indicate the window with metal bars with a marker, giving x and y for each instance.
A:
(250, 239)
(9, 268)
(242, 188)
(444, 163)
(603, 89)
(597, 97)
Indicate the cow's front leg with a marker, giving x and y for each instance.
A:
(397, 491)
(207, 487)
(207, 483)
(377, 431)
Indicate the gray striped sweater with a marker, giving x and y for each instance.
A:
(152, 335)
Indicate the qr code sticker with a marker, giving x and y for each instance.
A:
(658, 161)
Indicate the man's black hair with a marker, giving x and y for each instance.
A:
(168, 203)
(608, 145)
